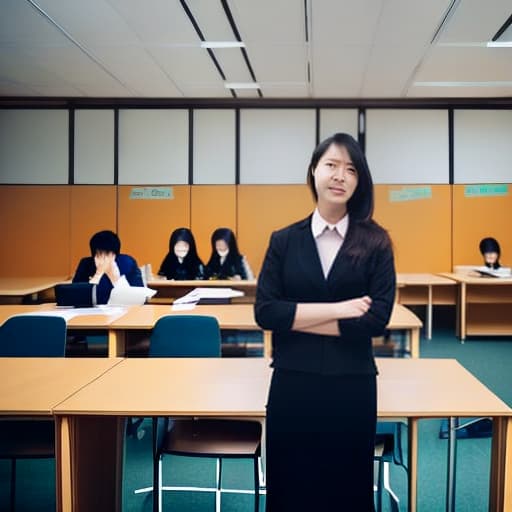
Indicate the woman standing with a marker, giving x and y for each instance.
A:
(327, 286)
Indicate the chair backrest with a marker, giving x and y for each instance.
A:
(185, 336)
(33, 336)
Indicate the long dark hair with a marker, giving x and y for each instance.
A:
(363, 232)
(192, 261)
(229, 237)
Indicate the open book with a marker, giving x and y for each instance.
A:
(491, 272)
(209, 295)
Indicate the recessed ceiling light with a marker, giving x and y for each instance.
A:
(222, 44)
(464, 84)
(499, 44)
(242, 85)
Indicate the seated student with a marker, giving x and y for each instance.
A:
(106, 267)
(182, 262)
(490, 249)
(226, 262)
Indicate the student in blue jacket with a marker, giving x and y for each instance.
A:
(106, 267)
(326, 287)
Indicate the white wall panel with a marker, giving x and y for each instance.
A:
(276, 145)
(407, 146)
(335, 120)
(34, 146)
(94, 147)
(153, 146)
(214, 147)
(482, 146)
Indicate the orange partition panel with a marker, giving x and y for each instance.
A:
(478, 217)
(265, 208)
(93, 209)
(144, 225)
(211, 207)
(419, 227)
(35, 230)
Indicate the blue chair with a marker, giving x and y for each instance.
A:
(29, 336)
(199, 336)
(388, 450)
(33, 336)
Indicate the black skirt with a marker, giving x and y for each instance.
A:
(320, 435)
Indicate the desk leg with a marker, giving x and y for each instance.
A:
(429, 313)
(267, 344)
(116, 343)
(89, 459)
(500, 493)
(415, 342)
(462, 309)
(413, 463)
(452, 459)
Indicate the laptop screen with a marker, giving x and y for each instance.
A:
(79, 295)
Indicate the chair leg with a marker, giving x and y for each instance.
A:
(393, 498)
(157, 484)
(380, 479)
(13, 485)
(256, 484)
(218, 492)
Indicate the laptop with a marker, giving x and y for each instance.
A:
(78, 295)
(129, 295)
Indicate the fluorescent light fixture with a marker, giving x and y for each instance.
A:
(499, 44)
(463, 84)
(222, 44)
(242, 85)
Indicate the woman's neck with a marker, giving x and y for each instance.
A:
(332, 214)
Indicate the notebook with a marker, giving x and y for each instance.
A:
(78, 295)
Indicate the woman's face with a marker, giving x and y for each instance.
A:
(491, 257)
(222, 248)
(181, 249)
(335, 176)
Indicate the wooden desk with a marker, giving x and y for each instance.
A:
(404, 319)
(167, 291)
(412, 388)
(484, 305)
(425, 290)
(232, 316)
(13, 290)
(229, 316)
(34, 386)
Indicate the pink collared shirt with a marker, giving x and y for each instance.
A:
(329, 238)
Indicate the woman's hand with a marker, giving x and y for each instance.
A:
(354, 308)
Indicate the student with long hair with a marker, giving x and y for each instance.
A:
(326, 287)
(182, 261)
(226, 262)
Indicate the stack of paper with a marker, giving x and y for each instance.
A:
(490, 272)
(208, 294)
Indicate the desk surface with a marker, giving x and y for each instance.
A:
(19, 286)
(213, 283)
(403, 318)
(473, 279)
(34, 386)
(414, 388)
(229, 316)
(423, 280)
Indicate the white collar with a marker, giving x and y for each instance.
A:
(318, 225)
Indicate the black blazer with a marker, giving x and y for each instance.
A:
(292, 273)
